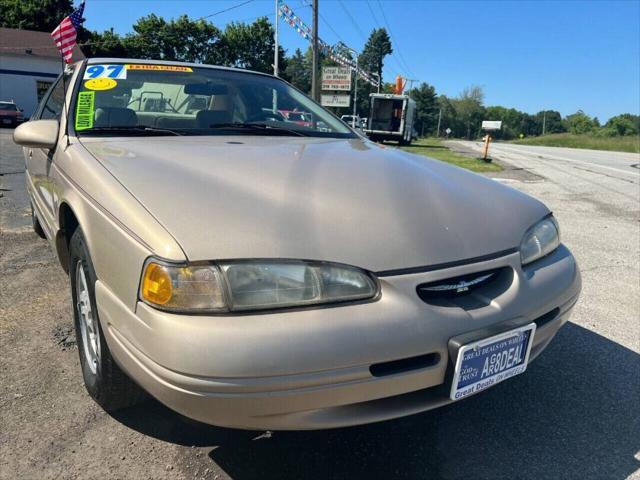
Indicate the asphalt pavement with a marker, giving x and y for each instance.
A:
(573, 414)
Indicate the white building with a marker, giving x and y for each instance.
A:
(29, 64)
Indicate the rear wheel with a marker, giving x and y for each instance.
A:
(36, 224)
(107, 384)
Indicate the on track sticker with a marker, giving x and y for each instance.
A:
(85, 110)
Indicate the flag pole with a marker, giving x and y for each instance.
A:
(64, 98)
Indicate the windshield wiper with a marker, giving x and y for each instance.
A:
(134, 130)
(256, 127)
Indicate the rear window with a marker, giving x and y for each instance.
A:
(8, 106)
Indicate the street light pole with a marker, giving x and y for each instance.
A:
(379, 79)
(355, 92)
(355, 82)
(277, 47)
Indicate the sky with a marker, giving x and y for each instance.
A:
(529, 55)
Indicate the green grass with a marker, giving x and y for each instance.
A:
(433, 147)
(569, 140)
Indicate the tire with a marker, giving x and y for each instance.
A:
(37, 227)
(106, 383)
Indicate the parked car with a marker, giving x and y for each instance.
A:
(255, 273)
(304, 119)
(349, 120)
(10, 114)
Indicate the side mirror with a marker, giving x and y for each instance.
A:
(37, 134)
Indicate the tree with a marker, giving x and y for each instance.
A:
(579, 123)
(426, 108)
(251, 46)
(182, 39)
(40, 15)
(449, 117)
(105, 44)
(511, 121)
(298, 71)
(371, 59)
(552, 121)
(469, 107)
(625, 124)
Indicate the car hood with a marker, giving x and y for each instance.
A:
(341, 200)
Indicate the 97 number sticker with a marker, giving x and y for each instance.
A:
(118, 72)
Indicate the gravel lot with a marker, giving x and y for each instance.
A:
(574, 414)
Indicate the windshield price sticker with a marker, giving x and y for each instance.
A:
(163, 68)
(85, 110)
(106, 71)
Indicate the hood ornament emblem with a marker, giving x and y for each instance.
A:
(458, 287)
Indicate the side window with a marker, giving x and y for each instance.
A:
(52, 109)
(54, 99)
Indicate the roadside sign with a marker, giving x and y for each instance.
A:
(336, 78)
(335, 100)
(491, 124)
(448, 130)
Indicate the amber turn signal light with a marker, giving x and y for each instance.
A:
(156, 284)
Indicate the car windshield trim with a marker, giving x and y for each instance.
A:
(173, 98)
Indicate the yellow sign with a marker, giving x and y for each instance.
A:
(165, 68)
(100, 84)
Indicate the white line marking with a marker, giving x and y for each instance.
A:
(570, 160)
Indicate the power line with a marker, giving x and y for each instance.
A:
(379, 25)
(375, 19)
(226, 9)
(386, 22)
(305, 4)
(353, 21)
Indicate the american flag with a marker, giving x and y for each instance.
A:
(65, 34)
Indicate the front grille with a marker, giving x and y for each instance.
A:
(467, 291)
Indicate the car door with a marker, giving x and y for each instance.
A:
(39, 160)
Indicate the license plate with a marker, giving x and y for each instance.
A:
(487, 362)
(6, 121)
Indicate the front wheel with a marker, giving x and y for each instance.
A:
(107, 384)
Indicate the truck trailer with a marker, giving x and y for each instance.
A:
(391, 118)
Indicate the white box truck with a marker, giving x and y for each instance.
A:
(391, 118)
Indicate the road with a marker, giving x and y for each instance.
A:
(573, 414)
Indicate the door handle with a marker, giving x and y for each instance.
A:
(30, 152)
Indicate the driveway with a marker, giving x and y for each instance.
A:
(573, 414)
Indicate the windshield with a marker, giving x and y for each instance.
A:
(8, 106)
(130, 99)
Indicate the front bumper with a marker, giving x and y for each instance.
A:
(311, 369)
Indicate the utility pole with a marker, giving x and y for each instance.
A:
(410, 80)
(277, 46)
(314, 46)
(439, 118)
(544, 122)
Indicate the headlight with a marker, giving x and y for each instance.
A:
(173, 287)
(253, 285)
(540, 240)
